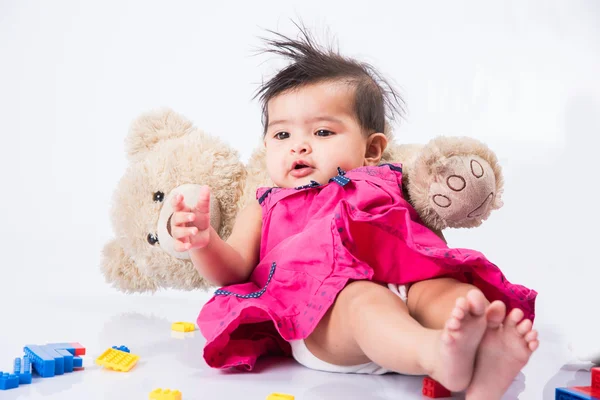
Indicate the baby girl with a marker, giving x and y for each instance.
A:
(333, 265)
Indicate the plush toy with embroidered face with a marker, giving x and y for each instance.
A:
(452, 182)
(166, 155)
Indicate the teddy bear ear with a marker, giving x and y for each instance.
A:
(153, 127)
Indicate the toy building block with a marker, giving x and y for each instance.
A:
(117, 360)
(587, 390)
(183, 327)
(67, 359)
(74, 348)
(25, 374)
(42, 362)
(280, 396)
(8, 381)
(70, 353)
(434, 389)
(122, 348)
(166, 394)
(54, 358)
(572, 394)
(59, 359)
(582, 392)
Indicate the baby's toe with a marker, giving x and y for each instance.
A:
(495, 314)
(458, 313)
(477, 302)
(524, 327)
(461, 304)
(514, 317)
(533, 345)
(531, 336)
(453, 324)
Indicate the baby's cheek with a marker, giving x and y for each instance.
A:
(273, 168)
(330, 174)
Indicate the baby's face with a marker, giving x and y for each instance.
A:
(312, 131)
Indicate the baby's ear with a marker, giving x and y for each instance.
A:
(153, 127)
(376, 145)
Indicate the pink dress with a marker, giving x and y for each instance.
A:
(317, 238)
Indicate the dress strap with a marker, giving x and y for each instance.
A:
(341, 178)
(262, 193)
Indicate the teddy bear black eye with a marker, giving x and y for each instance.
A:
(158, 197)
(152, 239)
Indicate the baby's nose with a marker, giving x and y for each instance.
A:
(301, 148)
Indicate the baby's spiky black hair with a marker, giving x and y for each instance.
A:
(375, 100)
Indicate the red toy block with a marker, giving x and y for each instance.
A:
(434, 390)
(588, 390)
(79, 349)
(596, 378)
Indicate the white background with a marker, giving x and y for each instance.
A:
(522, 76)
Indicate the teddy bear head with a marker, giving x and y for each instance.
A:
(167, 155)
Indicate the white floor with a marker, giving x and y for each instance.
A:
(174, 360)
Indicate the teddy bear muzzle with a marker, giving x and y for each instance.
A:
(190, 194)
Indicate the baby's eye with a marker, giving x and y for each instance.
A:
(323, 133)
(282, 135)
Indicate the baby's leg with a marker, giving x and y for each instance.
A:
(450, 304)
(505, 349)
(431, 301)
(370, 323)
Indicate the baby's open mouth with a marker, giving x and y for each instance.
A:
(300, 170)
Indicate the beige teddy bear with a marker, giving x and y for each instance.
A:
(451, 182)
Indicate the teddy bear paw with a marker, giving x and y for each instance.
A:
(464, 190)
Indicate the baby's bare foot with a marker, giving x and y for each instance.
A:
(505, 349)
(459, 340)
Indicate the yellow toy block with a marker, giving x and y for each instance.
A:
(280, 396)
(183, 327)
(166, 394)
(117, 360)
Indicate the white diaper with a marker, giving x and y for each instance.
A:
(303, 356)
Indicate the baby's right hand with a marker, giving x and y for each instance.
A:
(190, 227)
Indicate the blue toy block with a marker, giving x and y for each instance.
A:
(43, 363)
(25, 375)
(62, 346)
(8, 381)
(122, 348)
(63, 359)
(74, 348)
(68, 359)
(59, 360)
(569, 394)
(70, 353)
(54, 358)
